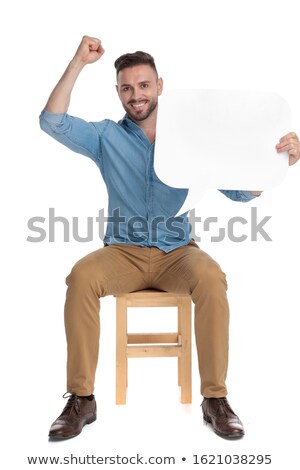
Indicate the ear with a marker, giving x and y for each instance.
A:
(160, 85)
(117, 89)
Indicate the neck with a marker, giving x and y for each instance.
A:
(149, 126)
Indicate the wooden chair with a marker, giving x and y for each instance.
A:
(141, 345)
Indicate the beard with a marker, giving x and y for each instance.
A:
(138, 116)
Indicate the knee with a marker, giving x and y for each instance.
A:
(215, 273)
(209, 275)
(81, 276)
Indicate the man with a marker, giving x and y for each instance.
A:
(145, 246)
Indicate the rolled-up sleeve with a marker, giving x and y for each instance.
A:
(78, 135)
(240, 196)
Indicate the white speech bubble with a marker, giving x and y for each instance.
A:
(220, 139)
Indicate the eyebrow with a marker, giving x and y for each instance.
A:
(140, 83)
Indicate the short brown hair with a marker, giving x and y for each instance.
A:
(134, 58)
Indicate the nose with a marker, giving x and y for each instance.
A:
(136, 93)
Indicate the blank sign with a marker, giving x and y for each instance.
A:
(220, 139)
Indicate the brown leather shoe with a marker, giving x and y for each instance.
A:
(77, 413)
(225, 422)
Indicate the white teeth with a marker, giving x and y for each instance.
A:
(138, 105)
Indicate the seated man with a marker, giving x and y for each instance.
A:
(145, 246)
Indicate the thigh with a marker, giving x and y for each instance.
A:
(113, 269)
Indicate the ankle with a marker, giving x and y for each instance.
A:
(88, 397)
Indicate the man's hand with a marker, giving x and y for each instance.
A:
(90, 50)
(290, 143)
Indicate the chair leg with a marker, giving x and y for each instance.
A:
(121, 349)
(179, 334)
(185, 368)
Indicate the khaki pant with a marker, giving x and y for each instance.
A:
(122, 268)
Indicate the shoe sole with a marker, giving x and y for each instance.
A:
(63, 438)
(225, 436)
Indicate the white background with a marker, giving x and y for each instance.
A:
(199, 44)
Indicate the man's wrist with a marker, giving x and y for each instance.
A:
(76, 65)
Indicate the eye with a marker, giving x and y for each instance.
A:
(125, 88)
(144, 85)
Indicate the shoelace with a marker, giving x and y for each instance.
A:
(223, 406)
(72, 404)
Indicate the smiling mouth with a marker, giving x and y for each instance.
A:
(138, 105)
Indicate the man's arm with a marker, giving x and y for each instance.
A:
(88, 52)
(238, 195)
(75, 133)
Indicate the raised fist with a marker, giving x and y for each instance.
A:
(90, 50)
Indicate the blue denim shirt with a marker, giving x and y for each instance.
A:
(141, 207)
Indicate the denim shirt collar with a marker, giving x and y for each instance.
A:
(127, 122)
